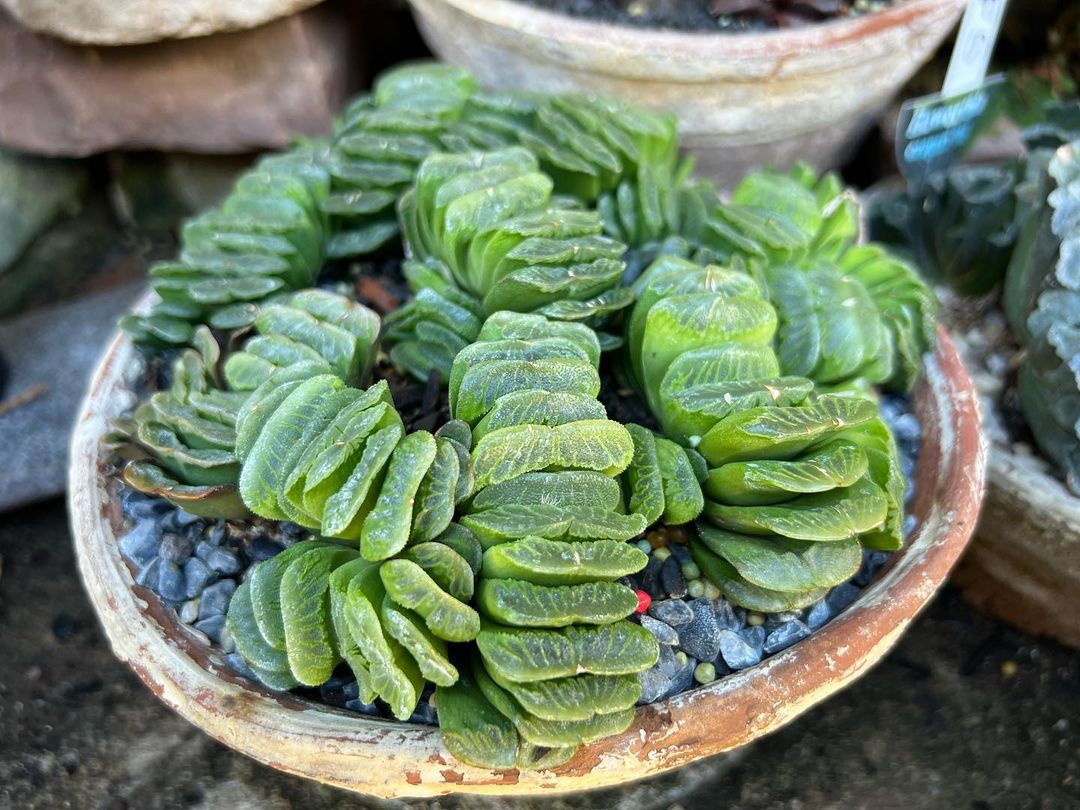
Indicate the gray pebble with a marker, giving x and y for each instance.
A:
(226, 641)
(781, 618)
(683, 680)
(140, 545)
(755, 637)
(725, 615)
(674, 612)
(680, 553)
(877, 559)
(786, 635)
(338, 690)
(424, 714)
(907, 428)
(701, 637)
(239, 665)
(198, 575)
(141, 507)
(817, 615)
(148, 575)
(736, 653)
(175, 548)
(654, 685)
(189, 611)
(841, 596)
(170, 584)
(672, 579)
(907, 467)
(370, 709)
(664, 633)
(215, 598)
(667, 663)
(182, 518)
(223, 561)
(650, 578)
(291, 531)
(263, 548)
(216, 535)
(212, 626)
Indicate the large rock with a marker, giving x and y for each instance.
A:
(126, 22)
(225, 93)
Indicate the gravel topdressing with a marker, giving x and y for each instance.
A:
(195, 565)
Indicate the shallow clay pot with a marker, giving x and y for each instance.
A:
(1024, 565)
(743, 100)
(391, 759)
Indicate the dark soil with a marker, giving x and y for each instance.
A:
(711, 15)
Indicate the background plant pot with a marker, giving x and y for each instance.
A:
(393, 759)
(1024, 565)
(742, 100)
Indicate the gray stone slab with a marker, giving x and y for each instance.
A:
(52, 351)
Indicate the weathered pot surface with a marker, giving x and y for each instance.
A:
(392, 759)
(1024, 565)
(743, 100)
(125, 22)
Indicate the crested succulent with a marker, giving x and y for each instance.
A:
(960, 227)
(180, 444)
(1042, 293)
(490, 556)
(555, 656)
(317, 604)
(184, 440)
(267, 236)
(586, 145)
(795, 479)
(491, 238)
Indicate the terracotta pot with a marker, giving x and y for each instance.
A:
(1024, 565)
(742, 100)
(391, 759)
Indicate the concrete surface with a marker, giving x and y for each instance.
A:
(966, 714)
(50, 354)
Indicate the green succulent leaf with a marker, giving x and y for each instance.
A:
(739, 591)
(782, 564)
(411, 587)
(529, 654)
(837, 514)
(525, 604)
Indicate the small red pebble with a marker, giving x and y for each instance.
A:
(643, 601)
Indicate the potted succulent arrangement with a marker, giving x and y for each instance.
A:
(753, 83)
(613, 489)
(1002, 237)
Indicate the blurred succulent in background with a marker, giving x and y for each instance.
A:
(1016, 221)
(961, 227)
(1042, 292)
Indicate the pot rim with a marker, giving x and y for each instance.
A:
(659, 55)
(392, 759)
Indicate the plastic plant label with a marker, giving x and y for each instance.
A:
(935, 129)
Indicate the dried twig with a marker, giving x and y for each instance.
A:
(24, 398)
